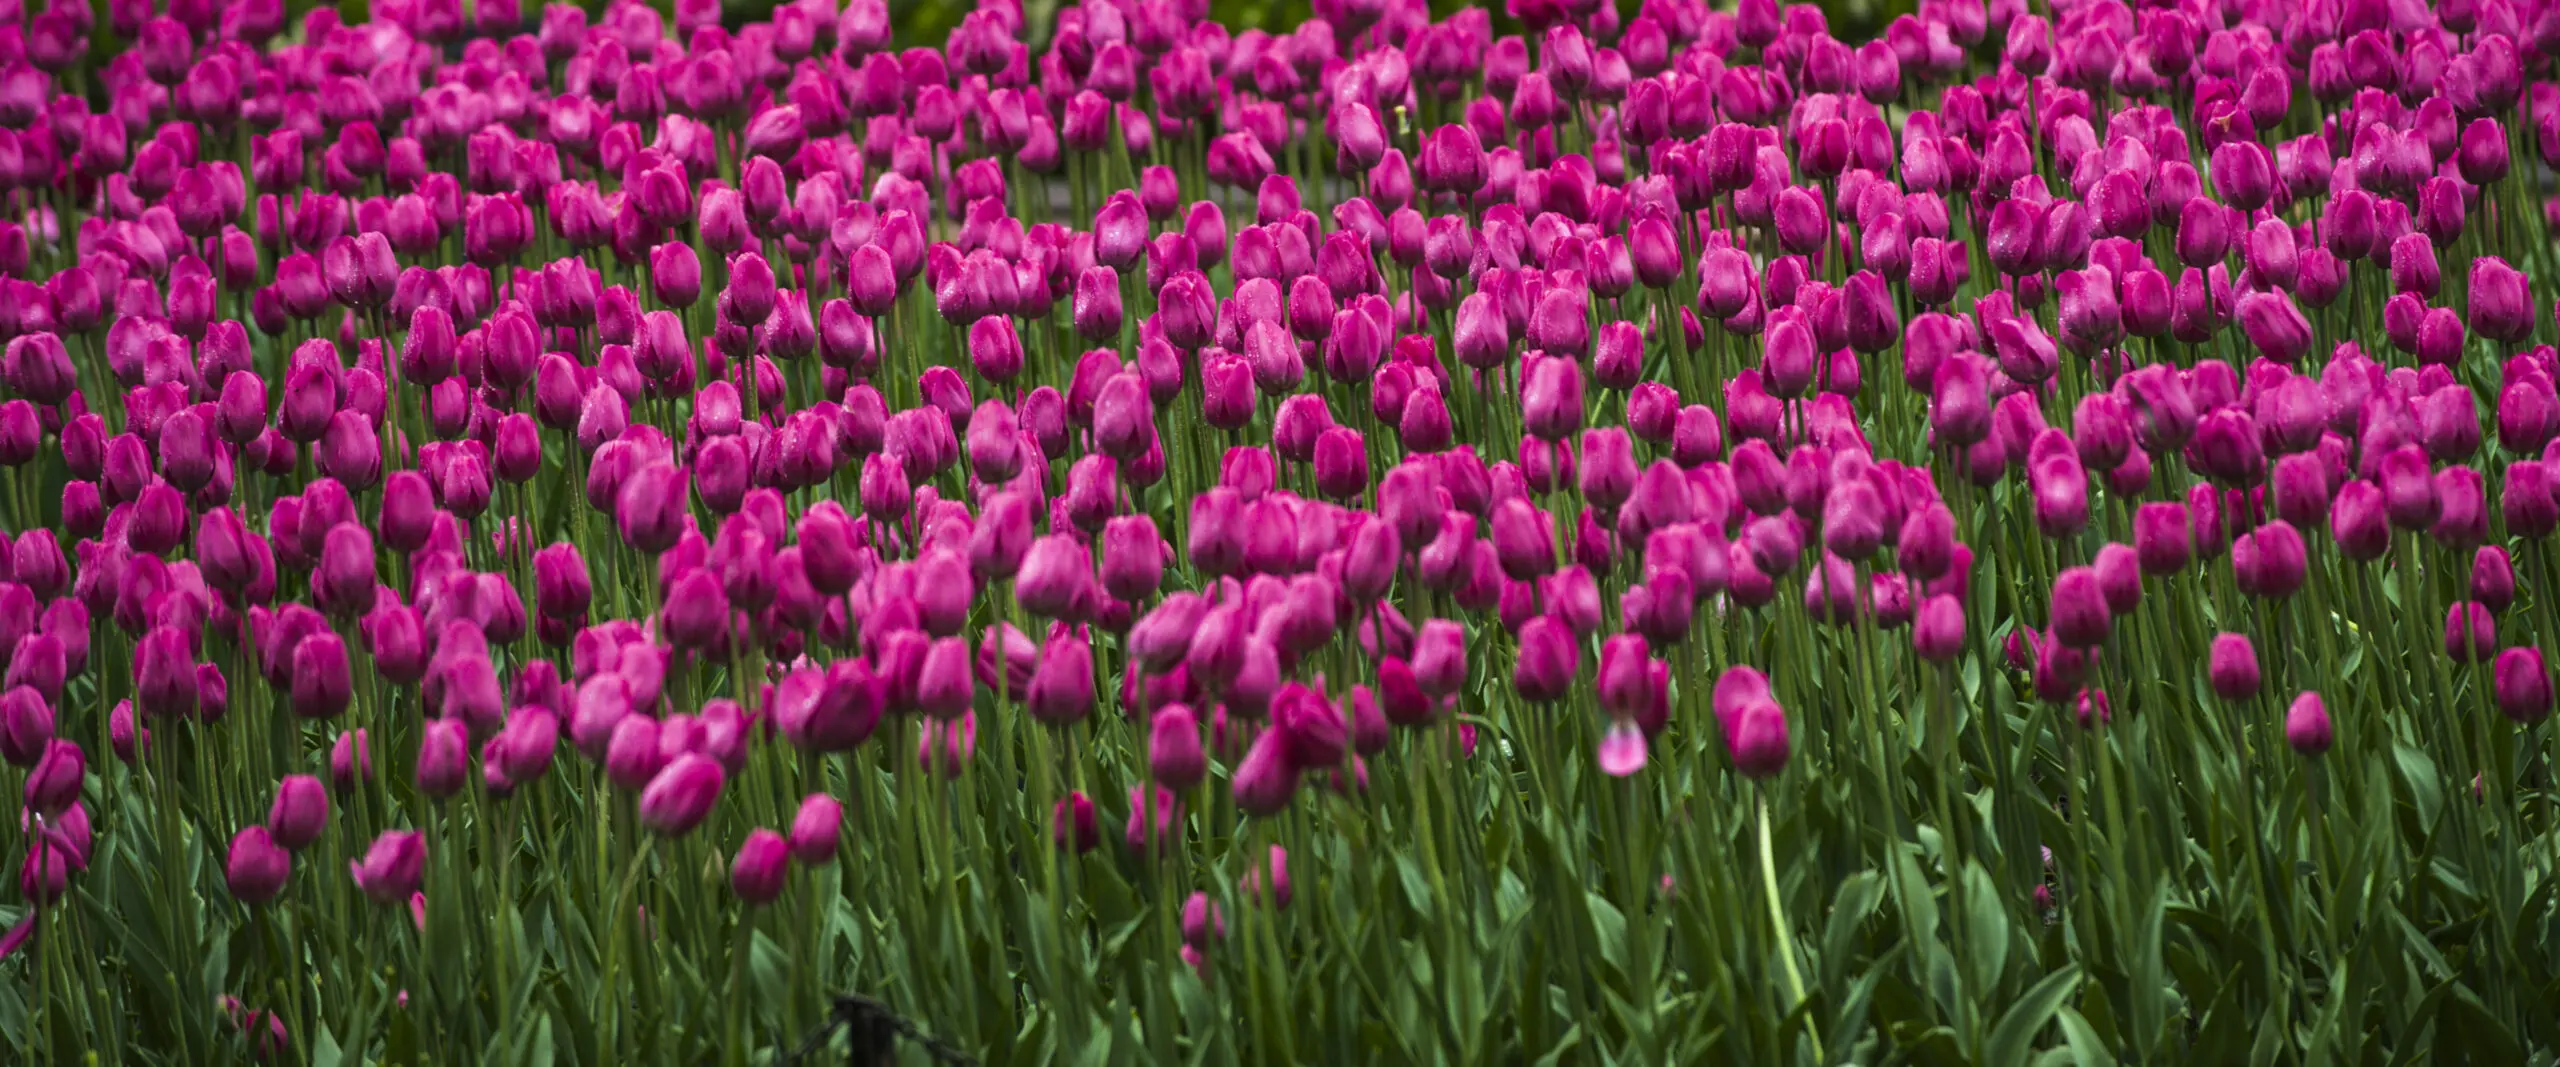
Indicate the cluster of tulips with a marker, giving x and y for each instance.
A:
(1691, 539)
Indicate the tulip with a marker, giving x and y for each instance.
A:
(2232, 667)
(2306, 725)
(1757, 739)
(2522, 685)
(53, 782)
(816, 829)
(680, 796)
(257, 868)
(2501, 301)
(2470, 633)
(1268, 778)
(1938, 630)
(392, 867)
(757, 872)
(1548, 660)
(2269, 561)
(300, 812)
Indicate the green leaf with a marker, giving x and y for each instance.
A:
(1612, 929)
(2016, 1031)
(1856, 899)
(1986, 929)
(1417, 886)
(2488, 1038)
(1911, 891)
(2087, 1049)
(324, 1048)
(540, 1055)
(2426, 785)
(1572, 1039)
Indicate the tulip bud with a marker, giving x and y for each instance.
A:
(392, 867)
(681, 795)
(256, 868)
(349, 760)
(2470, 634)
(300, 812)
(443, 757)
(1268, 778)
(2523, 685)
(758, 871)
(1548, 660)
(1937, 631)
(2306, 725)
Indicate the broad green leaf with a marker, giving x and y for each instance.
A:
(2016, 1031)
(2087, 1049)
(1986, 929)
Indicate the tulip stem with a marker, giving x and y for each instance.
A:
(1778, 926)
(736, 998)
(613, 943)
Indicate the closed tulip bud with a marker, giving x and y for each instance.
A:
(300, 812)
(2408, 488)
(2470, 633)
(1549, 658)
(392, 867)
(632, 756)
(1937, 631)
(944, 686)
(164, 672)
(681, 795)
(752, 292)
(758, 871)
(2482, 156)
(2162, 540)
(2528, 502)
(444, 748)
(2359, 520)
(2522, 685)
(2269, 561)
(1757, 739)
(1173, 748)
(2233, 667)
(1341, 463)
(256, 869)
(816, 829)
(26, 726)
(2079, 609)
(1061, 690)
(53, 783)
(1267, 780)
(1071, 824)
(2306, 725)
(1625, 682)
(342, 583)
(322, 685)
(349, 760)
(1551, 398)
(1097, 303)
(2502, 307)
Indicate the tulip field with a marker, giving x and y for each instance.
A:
(629, 533)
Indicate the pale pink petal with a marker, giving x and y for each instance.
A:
(1622, 750)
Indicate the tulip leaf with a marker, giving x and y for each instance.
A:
(1856, 900)
(2481, 1030)
(2087, 1049)
(1571, 1040)
(2425, 784)
(1417, 886)
(2015, 1033)
(1610, 926)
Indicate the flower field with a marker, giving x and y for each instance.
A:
(1586, 534)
